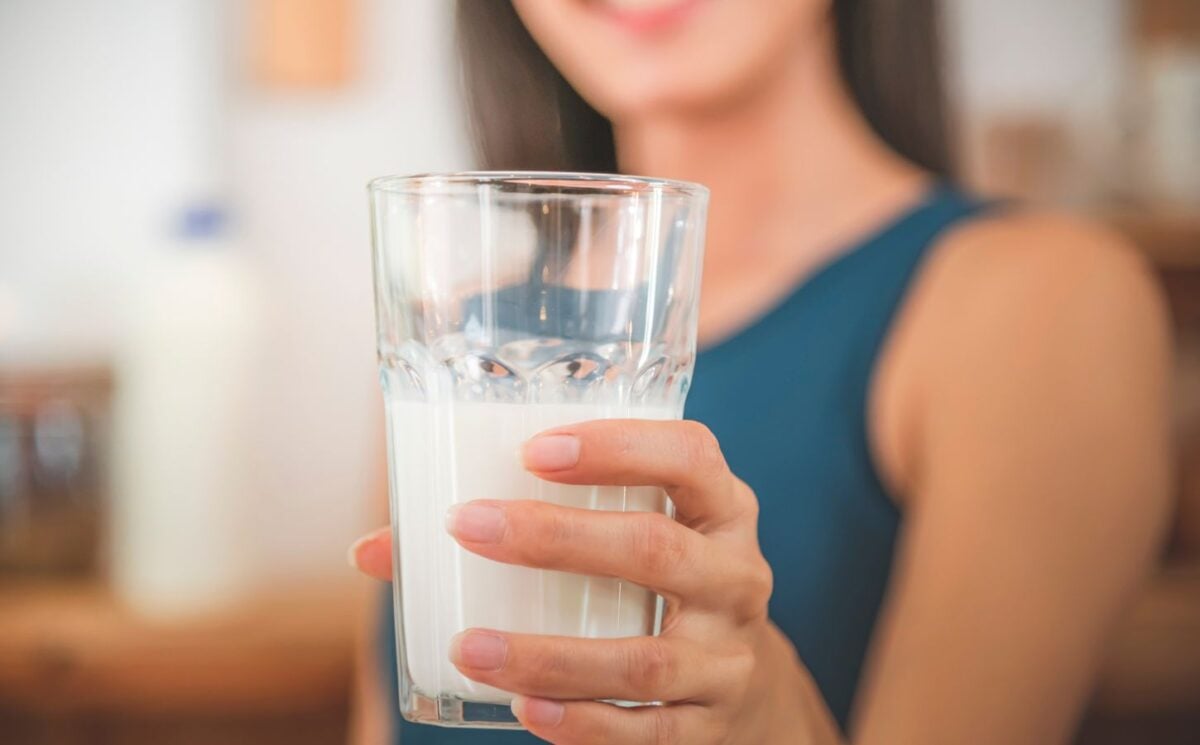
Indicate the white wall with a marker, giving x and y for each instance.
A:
(106, 129)
(1033, 54)
(118, 113)
(300, 165)
(1063, 59)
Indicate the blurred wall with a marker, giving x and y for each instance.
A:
(1064, 60)
(117, 114)
(109, 110)
(300, 163)
(1061, 55)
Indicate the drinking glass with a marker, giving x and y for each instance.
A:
(508, 304)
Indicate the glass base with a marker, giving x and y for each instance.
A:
(453, 711)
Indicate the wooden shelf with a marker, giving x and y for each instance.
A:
(1171, 239)
(1153, 667)
(71, 650)
(1167, 21)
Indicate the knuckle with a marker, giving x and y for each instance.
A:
(701, 448)
(558, 526)
(748, 498)
(650, 667)
(660, 544)
(664, 727)
(549, 662)
(739, 664)
(719, 731)
(547, 534)
(750, 589)
(621, 437)
(742, 660)
(762, 583)
(744, 504)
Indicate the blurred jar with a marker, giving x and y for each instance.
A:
(1161, 108)
(182, 481)
(54, 433)
(1172, 137)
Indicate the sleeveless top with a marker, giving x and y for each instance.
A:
(787, 400)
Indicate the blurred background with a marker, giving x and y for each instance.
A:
(190, 429)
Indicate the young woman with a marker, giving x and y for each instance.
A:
(927, 462)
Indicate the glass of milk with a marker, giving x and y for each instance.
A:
(508, 304)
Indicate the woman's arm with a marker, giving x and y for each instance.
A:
(1038, 479)
(1036, 355)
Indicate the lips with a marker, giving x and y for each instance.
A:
(634, 6)
(646, 15)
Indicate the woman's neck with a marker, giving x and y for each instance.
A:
(796, 175)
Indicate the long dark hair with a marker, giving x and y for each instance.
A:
(525, 116)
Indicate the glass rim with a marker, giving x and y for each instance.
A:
(569, 182)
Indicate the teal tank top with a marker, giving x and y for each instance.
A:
(787, 399)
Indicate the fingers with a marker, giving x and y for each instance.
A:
(682, 457)
(372, 554)
(649, 549)
(633, 669)
(592, 723)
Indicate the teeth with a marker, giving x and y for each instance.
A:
(642, 4)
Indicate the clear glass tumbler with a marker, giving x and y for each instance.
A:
(507, 304)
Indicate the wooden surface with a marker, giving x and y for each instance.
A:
(1167, 21)
(1171, 239)
(72, 650)
(1153, 666)
(1149, 690)
(77, 669)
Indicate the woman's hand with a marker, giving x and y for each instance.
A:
(723, 671)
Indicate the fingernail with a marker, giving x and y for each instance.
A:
(478, 523)
(356, 547)
(551, 452)
(478, 650)
(539, 711)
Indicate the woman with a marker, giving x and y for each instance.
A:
(930, 463)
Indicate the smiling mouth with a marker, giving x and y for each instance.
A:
(646, 15)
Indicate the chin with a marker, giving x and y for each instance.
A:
(681, 84)
(644, 99)
(638, 58)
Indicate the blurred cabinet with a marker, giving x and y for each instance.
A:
(303, 43)
(77, 669)
(53, 455)
(1170, 238)
(1149, 692)
(1157, 21)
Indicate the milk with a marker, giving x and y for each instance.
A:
(450, 453)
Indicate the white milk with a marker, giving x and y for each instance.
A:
(444, 454)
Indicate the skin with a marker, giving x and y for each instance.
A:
(1018, 415)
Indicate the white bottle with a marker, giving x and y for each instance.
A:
(181, 447)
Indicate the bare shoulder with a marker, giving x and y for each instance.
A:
(1035, 278)
(1032, 361)
(1023, 322)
